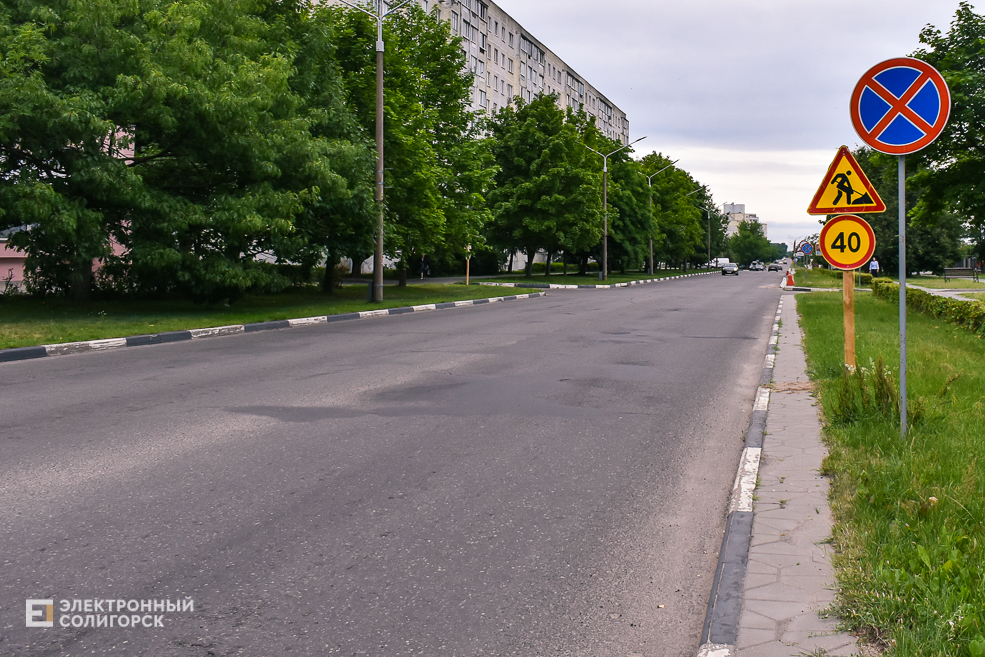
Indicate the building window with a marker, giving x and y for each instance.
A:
(509, 91)
(510, 67)
(511, 39)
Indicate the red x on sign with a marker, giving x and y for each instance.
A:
(900, 106)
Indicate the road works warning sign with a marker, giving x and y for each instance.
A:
(845, 188)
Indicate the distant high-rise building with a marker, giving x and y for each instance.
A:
(737, 214)
(507, 61)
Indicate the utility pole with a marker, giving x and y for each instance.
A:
(605, 202)
(378, 14)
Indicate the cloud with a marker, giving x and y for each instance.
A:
(756, 90)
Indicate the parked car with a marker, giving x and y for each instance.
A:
(774, 266)
(730, 268)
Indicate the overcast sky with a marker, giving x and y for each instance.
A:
(751, 95)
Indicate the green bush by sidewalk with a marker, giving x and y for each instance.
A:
(910, 513)
(969, 314)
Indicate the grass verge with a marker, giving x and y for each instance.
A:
(817, 278)
(909, 513)
(937, 283)
(26, 322)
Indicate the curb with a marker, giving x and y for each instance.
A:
(42, 351)
(557, 286)
(725, 602)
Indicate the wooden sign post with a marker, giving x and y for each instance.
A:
(848, 278)
(847, 242)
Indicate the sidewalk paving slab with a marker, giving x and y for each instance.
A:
(789, 582)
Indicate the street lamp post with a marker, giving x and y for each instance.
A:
(605, 202)
(649, 182)
(378, 14)
(695, 191)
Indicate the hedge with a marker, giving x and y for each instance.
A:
(969, 314)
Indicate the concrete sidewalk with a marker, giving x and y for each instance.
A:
(789, 581)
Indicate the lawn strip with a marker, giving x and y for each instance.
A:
(28, 322)
(910, 513)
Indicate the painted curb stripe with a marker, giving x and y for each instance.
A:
(745, 480)
(721, 626)
(216, 331)
(42, 351)
(558, 286)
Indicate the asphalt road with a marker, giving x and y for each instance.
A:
(542, 477)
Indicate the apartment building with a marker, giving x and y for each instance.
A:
(507, 61)
(737, 214)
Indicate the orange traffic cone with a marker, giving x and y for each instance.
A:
(790, 282)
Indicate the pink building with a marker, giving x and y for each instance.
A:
(11, 263)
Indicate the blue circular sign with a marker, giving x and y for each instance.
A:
(900, 106)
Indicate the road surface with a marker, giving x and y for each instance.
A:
(540, 477)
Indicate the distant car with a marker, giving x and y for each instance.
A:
(730, 268)
(756, 266)
(774, 266)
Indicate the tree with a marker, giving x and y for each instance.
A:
(951, 170)
(932, 243)
(170, 128)
(631, 220)
(437, 171)
(546, 195)
(750, 244)
(678, 223)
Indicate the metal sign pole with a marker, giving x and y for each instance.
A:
(902, 294)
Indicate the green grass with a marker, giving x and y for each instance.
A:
(910, 513)
(980, 296)
(591, 279)
(937, 283)
(817, 278)
(25, 321)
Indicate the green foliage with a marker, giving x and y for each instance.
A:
(438, 170)
(910, 531)
(750, 244)
(952, 168)
(932, 238)
(681, 230)
(546, 195)
(172, 129)
(967, 314)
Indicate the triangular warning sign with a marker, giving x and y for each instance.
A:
(845, 188)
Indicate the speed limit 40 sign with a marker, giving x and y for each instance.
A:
(847, 241)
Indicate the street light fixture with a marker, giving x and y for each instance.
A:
(379, 12)
(605, 202)
(649, 181)
(707, 216)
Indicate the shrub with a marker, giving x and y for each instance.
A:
(968, 314)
